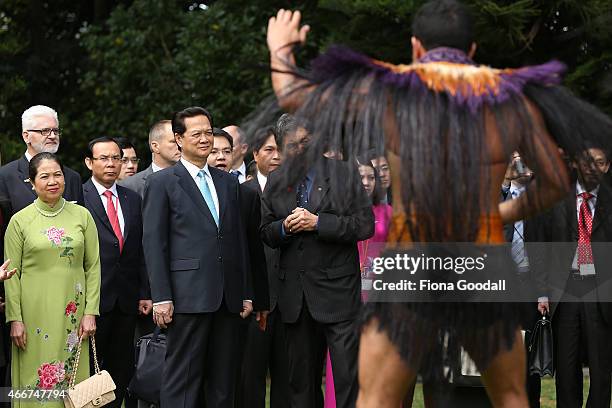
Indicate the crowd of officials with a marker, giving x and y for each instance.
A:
(250, 282)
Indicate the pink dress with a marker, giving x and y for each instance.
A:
(368, 250)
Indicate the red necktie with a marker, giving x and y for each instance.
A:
(585, 226)
(113, 217)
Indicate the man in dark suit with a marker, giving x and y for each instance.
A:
(41, 133)
(579, 278)
(196, 258)
(263, 349)
(220, 158)
(164, 153)
(319, 288)
(520, 234)
(125, 287)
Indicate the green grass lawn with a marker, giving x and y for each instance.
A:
(547, 396)
(547, 399)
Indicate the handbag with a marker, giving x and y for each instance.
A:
(150, 356)
(95, 391)
(540, 350)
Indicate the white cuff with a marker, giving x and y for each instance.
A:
(163, 302)
(543, 299)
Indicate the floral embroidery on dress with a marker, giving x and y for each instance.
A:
(50, 375)
(72, 340)
(71, 308)
(59, 239)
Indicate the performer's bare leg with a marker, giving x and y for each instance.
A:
(505, 377)
(409, 397)
(384, 378)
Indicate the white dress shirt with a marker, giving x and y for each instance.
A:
(115, 198)
(241, 173)
(155, 167)
(28, 156)
(262, 180)
(193, 172)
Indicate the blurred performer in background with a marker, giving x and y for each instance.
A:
(447, 127)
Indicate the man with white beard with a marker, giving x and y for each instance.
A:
(41, 133)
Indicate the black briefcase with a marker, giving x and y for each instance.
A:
(150, 356)
(540, 351)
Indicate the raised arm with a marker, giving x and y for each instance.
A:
(284, 32)
(552, 181)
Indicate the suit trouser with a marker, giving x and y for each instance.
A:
(306, 341)
(115, 347)
(579, 326)
(533, 383)
(263, 350)
(201, 355)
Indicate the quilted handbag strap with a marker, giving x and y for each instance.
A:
(78, 356)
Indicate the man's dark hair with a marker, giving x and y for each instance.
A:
(124, 143)
(589, 144)
(261, 135)
(35, 163)
(178, 119)
(286, 124)
(251, 169)
(444, 23)
(222, 133)
(103, 139)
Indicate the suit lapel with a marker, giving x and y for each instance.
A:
(22, 169)
(570, 215)
(320, 186)
(601, 208)
(95, 204)
(125, 210)
(191, 189)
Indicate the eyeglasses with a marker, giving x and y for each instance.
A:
(134, 160)
(106, 159)
(46, 131)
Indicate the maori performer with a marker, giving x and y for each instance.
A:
(448, 127)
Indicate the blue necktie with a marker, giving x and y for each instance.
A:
(205, 190)
(235, 173)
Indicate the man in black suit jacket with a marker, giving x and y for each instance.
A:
(40, 132)
(579, 291)
(220, 158)
(319, 288)
(263, 349)
(196, 258)
(125, 288)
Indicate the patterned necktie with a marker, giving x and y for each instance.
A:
(302, 194)
(205, 190)
(111, 211)
(518, 244)
(585, 226)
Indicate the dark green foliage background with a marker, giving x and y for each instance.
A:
(113, 67)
